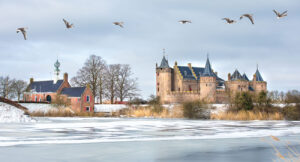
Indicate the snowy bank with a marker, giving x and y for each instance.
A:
(11, 114)
(37, 107)
(109, 107)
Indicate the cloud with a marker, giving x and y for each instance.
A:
(151, 26)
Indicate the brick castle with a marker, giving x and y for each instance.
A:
(188, 83)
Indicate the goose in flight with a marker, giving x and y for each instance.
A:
(119, 24)
(23, 30)
(68, 25)
(280, 15)
(229, 21)
(250, 17)
(185, 21)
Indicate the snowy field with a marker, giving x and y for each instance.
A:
(9, 114)
(117, 139)
(32, 107)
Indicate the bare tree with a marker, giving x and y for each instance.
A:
(6, 88)
(111, 80)
(126, 86)
(18, 87)
(91, 73)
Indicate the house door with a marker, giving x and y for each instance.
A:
(48, 98)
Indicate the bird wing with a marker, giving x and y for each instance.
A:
(121, 25)
(24, 34)
(285, 12)
(242, 17)
(227, 19)
(66, 22)
(276, 12)
(250, 18)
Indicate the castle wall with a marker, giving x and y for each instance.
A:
(180, 97)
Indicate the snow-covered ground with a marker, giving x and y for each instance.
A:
(11, 114)
(33, 107)
(109, 107)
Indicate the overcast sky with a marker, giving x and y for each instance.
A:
(149, 27)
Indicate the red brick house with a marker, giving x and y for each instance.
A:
(81, 99)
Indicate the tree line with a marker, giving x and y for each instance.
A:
(12, 88)
(107, 81)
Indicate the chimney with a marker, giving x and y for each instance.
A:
(31, 80)
(229, 76)
(66, 77)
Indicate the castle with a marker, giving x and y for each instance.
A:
(80, 99)
(188, 83)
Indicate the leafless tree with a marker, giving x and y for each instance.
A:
(91, 73)
(6, 88)
(18, 87)
(126, 86)
(111, 81)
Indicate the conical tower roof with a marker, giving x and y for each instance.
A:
(207, 70)
(245, 77)
(236, 75)
(164, 63)
(258, 76)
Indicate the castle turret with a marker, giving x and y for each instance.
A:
(208, 84)
(258, 82)
(163, 79)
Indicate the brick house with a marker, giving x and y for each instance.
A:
(81, 99)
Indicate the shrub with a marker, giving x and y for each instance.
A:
(292, 112)
(60, 101)
(195, 110)
(243, 101)
(155, 103)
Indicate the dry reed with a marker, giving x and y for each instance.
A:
(247, 115)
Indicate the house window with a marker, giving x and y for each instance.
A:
(157, 89)
(87, 109)
(40, 99)
(35, 98)
(87, 98)
(78, 100)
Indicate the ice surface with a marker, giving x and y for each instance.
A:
(99, 130)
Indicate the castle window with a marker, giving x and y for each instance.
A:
(157, 84)
(190, 88)
(206, 84)
(157, 89)
(178, 89)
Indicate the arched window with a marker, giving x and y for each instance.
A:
(48, 98)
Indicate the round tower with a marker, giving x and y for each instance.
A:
(163, 79)
(208, 84)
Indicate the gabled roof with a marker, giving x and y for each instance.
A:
(198, 71)
(45, 86)
(164, 63)
(236, 76)
(245, 77)
(73, 91)
(258, 76)
(186, 73)
(207, 70)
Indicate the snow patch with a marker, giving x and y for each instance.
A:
(11, 114)
(37, 107)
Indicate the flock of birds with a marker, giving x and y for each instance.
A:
(121, 24)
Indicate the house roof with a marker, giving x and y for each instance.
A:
(73, 91)
(45, 86)
(186, 73)
(164, 63)
(258, 76)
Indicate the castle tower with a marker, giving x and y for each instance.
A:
(258, 82)
(208, 84)
(56, 71)
(163, 79)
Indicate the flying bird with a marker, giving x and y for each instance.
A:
(23, 30)
(68, 25)
(119, 24)
(185, 21)
(250, 17)
(280, 15)
(229, 21)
